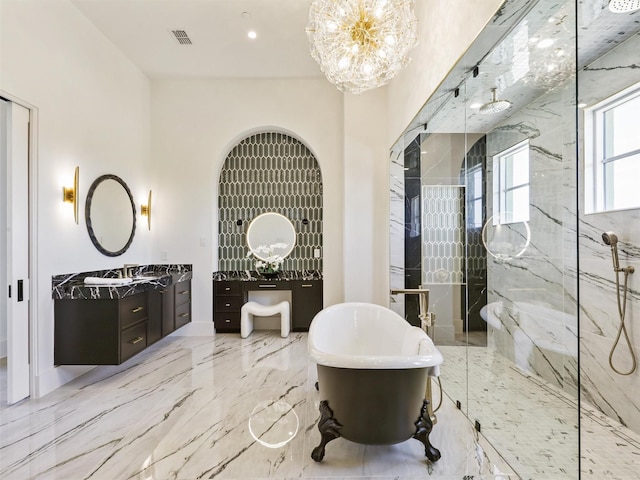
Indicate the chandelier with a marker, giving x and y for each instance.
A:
(361, 44)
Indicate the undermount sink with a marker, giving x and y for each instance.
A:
(98, 281)
(145, 278)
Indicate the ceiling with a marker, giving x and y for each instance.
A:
(141, 29)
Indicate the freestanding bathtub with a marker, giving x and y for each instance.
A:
(372, 376)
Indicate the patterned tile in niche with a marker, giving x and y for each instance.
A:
(270, 172)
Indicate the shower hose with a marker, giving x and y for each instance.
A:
(622, 310)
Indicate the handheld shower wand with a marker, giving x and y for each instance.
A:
(611, 239)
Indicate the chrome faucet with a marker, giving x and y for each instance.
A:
(126, 270)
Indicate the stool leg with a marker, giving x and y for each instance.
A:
(285, 324)
(246, 324)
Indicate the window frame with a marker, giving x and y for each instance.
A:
(472, 200)
(500, 190)
(598, 189)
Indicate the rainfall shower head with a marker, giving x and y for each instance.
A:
(495, 105)
(624, 6)
(610, 238)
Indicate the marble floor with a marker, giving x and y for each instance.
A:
(230, 408)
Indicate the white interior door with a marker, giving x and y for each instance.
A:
(16, 160)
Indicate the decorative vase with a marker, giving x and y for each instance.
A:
(268, 273)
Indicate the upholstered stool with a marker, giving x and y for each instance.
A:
(250, 309)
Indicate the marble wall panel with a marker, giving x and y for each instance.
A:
(613, 394)
(532, 297)
(397, 229)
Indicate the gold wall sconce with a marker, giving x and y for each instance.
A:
(70, 195)
(145, 210)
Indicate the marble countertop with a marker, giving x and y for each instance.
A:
(253, 276)
(145, 277)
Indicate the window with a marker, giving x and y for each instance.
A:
(612, 153)
(474, 197)
(511, 185)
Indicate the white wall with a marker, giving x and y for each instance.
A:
(194, 125)
(446, 28)
(93, 111)
(366, 198)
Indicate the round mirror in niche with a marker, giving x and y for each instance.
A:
(111, 215)
(271, 234)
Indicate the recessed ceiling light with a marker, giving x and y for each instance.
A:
(582, 105)
(252, 35)
(475, 105)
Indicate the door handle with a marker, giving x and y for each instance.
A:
(20, 290)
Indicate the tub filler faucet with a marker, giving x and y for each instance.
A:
(426, 318)
(426, 323)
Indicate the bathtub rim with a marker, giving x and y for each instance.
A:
(431, 360)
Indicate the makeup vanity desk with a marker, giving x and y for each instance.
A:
(231, 291)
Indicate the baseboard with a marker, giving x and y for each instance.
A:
(195, 329)
(57, 377)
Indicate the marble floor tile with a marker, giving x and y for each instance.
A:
(230, 408)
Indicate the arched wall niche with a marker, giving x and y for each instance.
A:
(269, 171)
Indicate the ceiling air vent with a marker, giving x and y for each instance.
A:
(181, 37)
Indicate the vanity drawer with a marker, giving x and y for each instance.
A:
(133, 309)
(268, 285)
(228, 304)
(133, 340)
(226, 322)
(227, 288)
(183, 292)
(183, 314)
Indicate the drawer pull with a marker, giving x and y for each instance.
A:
(266, 286)
(137, 309)
(183, 315)
(227, 321)
(184, 292)
(227, 304)
(136, 340)
(227, 289)
(306, 285)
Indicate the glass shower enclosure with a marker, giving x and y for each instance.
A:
(488, 191)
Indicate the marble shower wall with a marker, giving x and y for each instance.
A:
(532, 307)
(396, 229)
(613, 394)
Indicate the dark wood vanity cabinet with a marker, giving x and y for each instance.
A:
(110, 331)
(227, 301)
(306, 302)
(182, 302)
(161, 313)
(230, 295)
(100, 331)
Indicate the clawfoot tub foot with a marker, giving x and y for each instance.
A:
(423, 429)
(329, 430)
